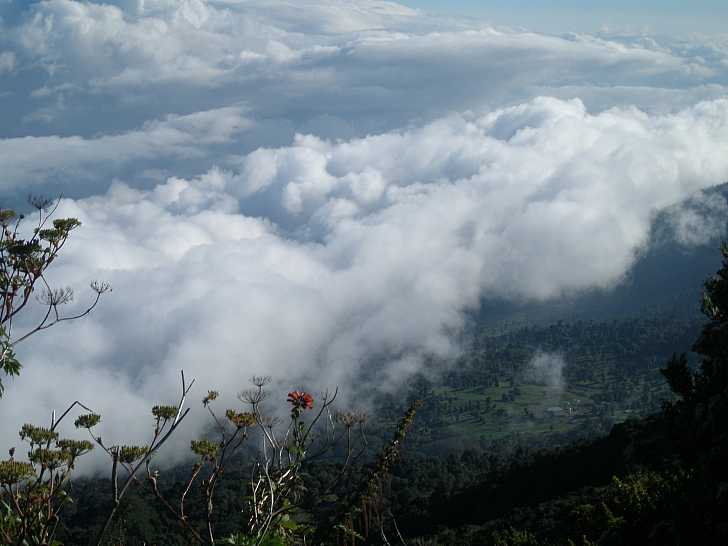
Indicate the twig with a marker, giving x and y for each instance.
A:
(153, 448)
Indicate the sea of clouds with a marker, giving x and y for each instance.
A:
(296, 188)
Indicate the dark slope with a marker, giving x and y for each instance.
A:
(666, 277)
(660, 480)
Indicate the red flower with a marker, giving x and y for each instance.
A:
(300, 400)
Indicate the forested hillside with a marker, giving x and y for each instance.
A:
(658, 480)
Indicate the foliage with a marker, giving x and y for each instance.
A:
(272, 510)
(514, 537)
(367, 514)
(698, 419)
(33, 493)
(241, 539)
(132, 458)
(24, 260)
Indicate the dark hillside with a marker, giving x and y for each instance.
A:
(661, 480)
(667, 277)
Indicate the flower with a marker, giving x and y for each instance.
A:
(87, 421)
(165, 412)
(130, 454)
(300, 400)
(13, 472)
(211, 395)
(205, 449)
(240, 420)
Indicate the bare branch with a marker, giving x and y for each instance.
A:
(158, 441)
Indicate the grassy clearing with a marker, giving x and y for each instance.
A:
(491, 413)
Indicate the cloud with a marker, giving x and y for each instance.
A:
(347, 262)
(546, 170)
(699, 220)
(32, 161)
(347, 68)
(192, 41)
(547, 369)
(7, 61)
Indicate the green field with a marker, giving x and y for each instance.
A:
(488, 396)
(494, 412)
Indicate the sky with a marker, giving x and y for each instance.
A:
(301, 189)
(559, 16)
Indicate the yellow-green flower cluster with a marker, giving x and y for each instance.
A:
(37, 435)
(204, 448)
(89, 420)
(130, 454)
(51, 458)
(164, 412)
(13, 472)
(74, 448)
(211, 395)
(240, 419)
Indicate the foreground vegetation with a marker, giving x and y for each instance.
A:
(35, 487)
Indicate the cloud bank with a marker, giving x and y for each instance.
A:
(365, 248)
(324, 66)
(320, 191)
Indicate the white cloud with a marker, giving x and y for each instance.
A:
(585, 186)
(369, 66)
(547, 369)
(7, 61)
(699, 220)
(369, 249)
(27, 161)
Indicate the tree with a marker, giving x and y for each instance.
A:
(700, 415)
(25, 256)
(32, 493)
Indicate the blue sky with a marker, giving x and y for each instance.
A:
(660, 16)
(556, 16)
